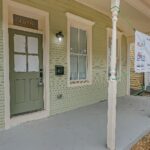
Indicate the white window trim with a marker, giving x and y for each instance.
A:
(119, 37)
(82, 23)
(7, 5)
(25, 29)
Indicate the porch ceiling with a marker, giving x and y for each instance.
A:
(134, 14)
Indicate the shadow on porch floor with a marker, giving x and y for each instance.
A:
(82, 129)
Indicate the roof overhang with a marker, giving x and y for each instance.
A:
(133, 13)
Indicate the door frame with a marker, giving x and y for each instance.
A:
(130, 46)
(10, 122)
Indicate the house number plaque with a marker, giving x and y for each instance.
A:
(25, 22)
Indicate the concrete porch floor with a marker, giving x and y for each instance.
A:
(82, 129)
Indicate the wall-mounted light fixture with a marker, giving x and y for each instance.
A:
(60, 36)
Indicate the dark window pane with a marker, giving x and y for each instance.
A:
(82, 67)
(74, 40)
(73, 67)
(83, 41)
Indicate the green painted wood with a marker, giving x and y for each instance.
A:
(26, 95)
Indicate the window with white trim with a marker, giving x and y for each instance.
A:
(118, 53)
(79, 50)
(78, 54)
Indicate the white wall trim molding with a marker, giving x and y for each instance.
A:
(7, 5)
(25, 29)
(147, 80)
(130, 46)
(128, 68)
(81, 23)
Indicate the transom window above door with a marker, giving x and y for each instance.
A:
(26, 57)
(79, 50)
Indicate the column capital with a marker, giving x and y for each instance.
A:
(115, 5)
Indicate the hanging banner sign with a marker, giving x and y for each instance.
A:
(142, 52)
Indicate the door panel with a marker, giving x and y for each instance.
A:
(34, 90)
(20, 90)
(26, 62)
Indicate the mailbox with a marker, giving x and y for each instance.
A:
(59, 70)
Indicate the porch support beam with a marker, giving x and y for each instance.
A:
(112, 87)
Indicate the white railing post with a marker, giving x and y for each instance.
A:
(112, 87)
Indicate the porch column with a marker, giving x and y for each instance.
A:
(112, 88)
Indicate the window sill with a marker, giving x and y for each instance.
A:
(79, 83)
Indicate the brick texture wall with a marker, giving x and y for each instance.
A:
(73, 97)
(1, 72)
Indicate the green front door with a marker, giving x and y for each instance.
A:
(26, 72)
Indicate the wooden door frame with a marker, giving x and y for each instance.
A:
(130, 45)
(9, 122)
